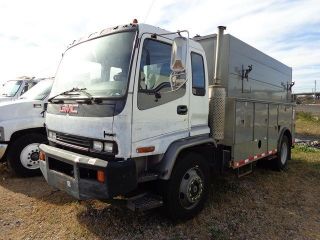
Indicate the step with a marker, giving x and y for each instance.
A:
(245, 170)
(144, 202)
(147, 176)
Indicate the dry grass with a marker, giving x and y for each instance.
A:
(263, 205)
(308, 125)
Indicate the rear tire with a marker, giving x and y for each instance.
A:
(187, 190)
(281, 162)
(23, 155)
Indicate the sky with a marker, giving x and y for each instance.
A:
(35, 33)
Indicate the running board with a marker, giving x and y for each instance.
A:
(147, 177)
(144, 202)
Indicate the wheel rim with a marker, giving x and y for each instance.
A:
(191, 188)
(29, 156)
(284, 153)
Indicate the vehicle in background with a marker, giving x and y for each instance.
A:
(147, 114)
(13, 89)
(22, 129)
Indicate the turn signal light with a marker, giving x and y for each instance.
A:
(145, 149)
(42, 156)
(101, 177)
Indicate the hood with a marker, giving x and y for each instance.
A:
(90, 127)
(21, 108)
(5, 99)
(88, 120)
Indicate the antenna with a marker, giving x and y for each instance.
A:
(149, 10)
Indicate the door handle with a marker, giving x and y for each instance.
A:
(182, 110)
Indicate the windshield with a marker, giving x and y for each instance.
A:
(39, 91)
(10, 88)
(101, 66)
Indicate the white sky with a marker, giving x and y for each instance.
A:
(34, 33)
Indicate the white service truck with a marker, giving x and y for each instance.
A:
(13, 89)
(149, 115)
(22, 129)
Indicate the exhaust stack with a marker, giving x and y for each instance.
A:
(217, 67)
(217, 94)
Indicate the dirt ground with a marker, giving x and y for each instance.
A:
(263, 205)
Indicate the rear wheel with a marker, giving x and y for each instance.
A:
(23, 155)
(185, 193)
(281, 162)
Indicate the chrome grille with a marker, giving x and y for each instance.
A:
(73, 140)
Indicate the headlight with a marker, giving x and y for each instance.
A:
(108, 147)
(102, 146)
(1, 134)
(52, 135)
(97, 146)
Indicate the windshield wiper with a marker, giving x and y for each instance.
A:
(75, 89)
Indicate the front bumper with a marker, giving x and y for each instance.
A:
(3, 148)
(75, 174)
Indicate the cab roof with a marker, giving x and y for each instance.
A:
(141, 28)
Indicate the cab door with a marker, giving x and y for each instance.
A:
(160, 116)
(199, 104)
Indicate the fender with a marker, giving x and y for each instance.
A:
(16, 125)
(19, 133)
(168, 161)
(282, 132)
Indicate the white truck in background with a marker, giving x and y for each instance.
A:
(22, 129)
(13, 89)
(147, 114)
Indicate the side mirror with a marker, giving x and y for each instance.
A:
(45, 107)
(179, 54)
(178, 62)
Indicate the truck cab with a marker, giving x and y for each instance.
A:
(22, 129)
(130, 105)
(13, 89)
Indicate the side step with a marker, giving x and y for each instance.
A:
(144, 202)
(147, 176)
(245, 170)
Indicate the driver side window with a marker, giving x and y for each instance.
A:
(154, 75)
(155, 65)
(25, 89)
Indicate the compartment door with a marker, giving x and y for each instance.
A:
(273, 127)
(244, 131)
(260, 128)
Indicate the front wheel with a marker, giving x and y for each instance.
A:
(23, 155)
(185, 193)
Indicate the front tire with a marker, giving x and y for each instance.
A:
(187, 190)
(23, 155)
